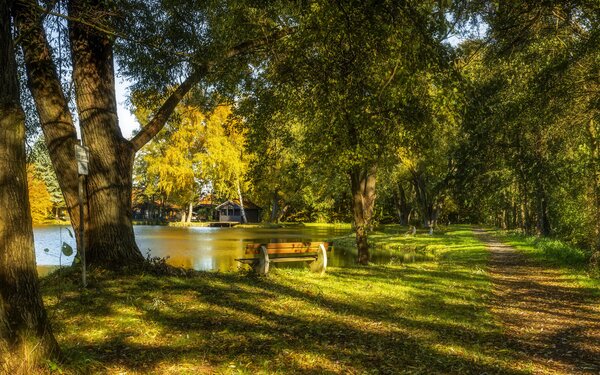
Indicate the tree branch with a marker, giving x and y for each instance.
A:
(164, 112)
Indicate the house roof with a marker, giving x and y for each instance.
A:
(248, 205)
(206, 201)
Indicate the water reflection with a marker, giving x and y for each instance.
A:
(48, 242)
(209, 249)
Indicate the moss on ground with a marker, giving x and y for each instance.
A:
(424, 317)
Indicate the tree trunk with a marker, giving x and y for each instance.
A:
(543, 226)
(526, 214)
(363, 182)
(56, 121)
(594, 142)
(274, 207)
(243, 212)
(109, 235)
(283, 212)
(26, 338)
(190, 212)
(425, 203)
(402, 207)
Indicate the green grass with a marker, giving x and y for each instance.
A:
(423, 317)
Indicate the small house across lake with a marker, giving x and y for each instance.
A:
(231, 211)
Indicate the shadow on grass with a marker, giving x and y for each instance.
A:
(379, 319)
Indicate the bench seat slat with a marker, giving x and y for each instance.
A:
(289, 251)
(292, 259)
(286, 248)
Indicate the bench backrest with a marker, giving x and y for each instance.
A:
(287, 247)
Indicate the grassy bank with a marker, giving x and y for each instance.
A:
(423, 317)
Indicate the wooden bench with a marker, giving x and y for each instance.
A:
(264, 254)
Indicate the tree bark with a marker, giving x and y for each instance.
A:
(283, 212)
(594, 144)
(110, 239)
(274, 207)
(363, 182)
(56, 121)
(26, 338)
(428, 210)
(543, 225)
(402, 207)
(243, 211)
(190, 212)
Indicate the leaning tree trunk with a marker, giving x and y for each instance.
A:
(26, 338)
(109, 236)
(363, 181)
(52, 108)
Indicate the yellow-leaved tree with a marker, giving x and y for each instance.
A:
(39, 198)
(224, 159)
(195, 151)
(170, 161)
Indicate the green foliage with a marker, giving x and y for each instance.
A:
(529, 154)
(342, 94)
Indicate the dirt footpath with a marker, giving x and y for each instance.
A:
(552, 324)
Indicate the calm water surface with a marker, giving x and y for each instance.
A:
(207, 249)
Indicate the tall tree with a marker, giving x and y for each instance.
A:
(195, 151)
(171, 159)
(353, 76)
(109, 234)
(25, 334)
(224, 160)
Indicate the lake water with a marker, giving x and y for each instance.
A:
(200, 248)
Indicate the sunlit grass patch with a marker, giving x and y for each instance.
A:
(425, 317)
